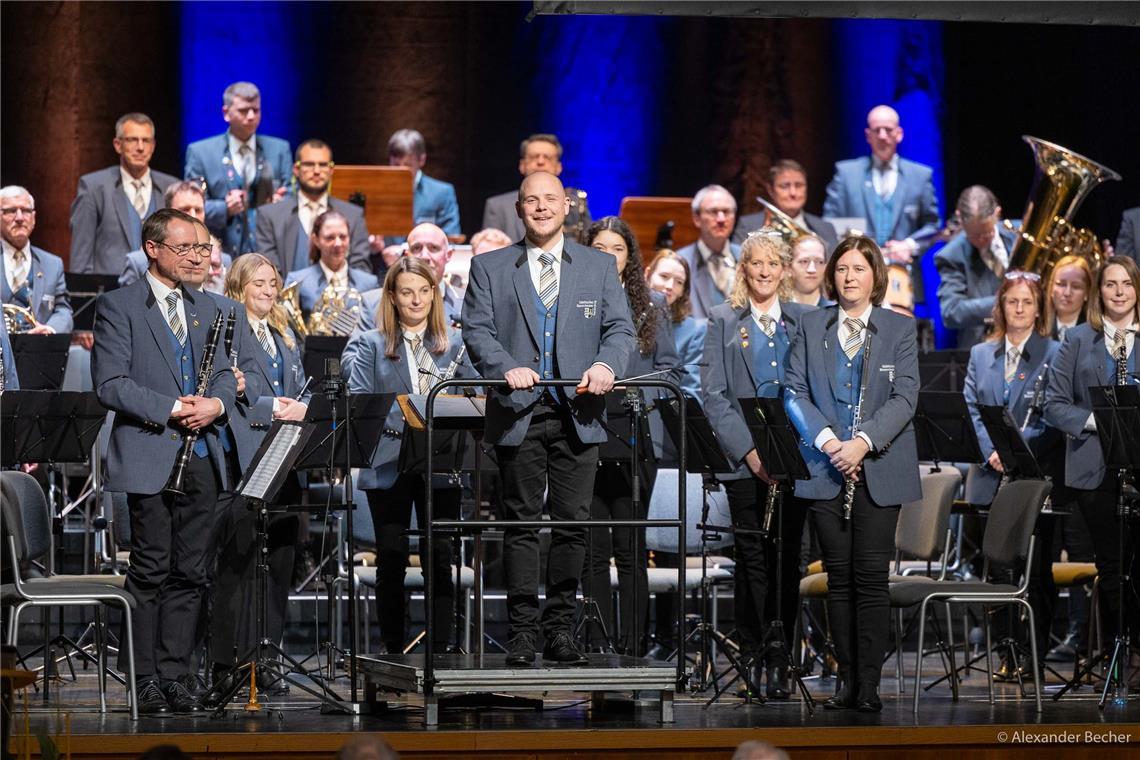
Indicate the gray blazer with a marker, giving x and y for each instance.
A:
(369, 371)
(985, 384)
(1128, 239)
(1080, 364)
(11, 381)
(255, 410)
(728, 376)
(705, 294)
(136, 265)
(891, 468)
(501, 333)
(49, 300)
(101, 220)
(135, 375)
(967, 287)
(851, 193)
(279, 232)
(499, 212)
(751, 222)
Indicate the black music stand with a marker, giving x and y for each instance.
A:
(41, 360)
(945, 430)
(943, 370)
(83, 290)
(1016, 458)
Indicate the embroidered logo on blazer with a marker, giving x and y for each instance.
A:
(589, 308)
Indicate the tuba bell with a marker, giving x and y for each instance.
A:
(1062, 182)
(18, 319)
(290, 300)
(784, 224)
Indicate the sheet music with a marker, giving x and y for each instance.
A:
(267, 468)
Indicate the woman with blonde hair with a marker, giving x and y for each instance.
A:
(669, 275)
(1067, 295)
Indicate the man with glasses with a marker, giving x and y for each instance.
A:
(894, 195)
(712, 259)
(972, 264)
(149, 340)
(787, 190)
(29, 276)
(111, 204)
(283, 229)
(241, 168)
(537, 153)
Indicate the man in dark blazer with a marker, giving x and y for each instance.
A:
(30, 276)
(111, 204)
(894, 195)
(149, 342)
(242, 169)
(546, 308)
(283, 228)
(433, 200)
(712, 259)
(537, 153)
(1128, 239)
(972, 264)
(787, 191)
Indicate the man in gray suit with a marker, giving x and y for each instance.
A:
(283, 228)
(149, 342)
(546, 308)
(787, 191)
(972, 264)
(712, 259)
(111, 204)
(537, 153)
(1128, 240)
(30, 276)
(894, 195)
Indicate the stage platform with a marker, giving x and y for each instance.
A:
(569, 725)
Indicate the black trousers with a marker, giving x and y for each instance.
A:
(754, 577)
(392, 516)
(613, 500)
(172, 550)
(1099, 510)
(551, 459)
(1042, 590)
(857, 554)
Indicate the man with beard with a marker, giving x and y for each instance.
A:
(283, 229)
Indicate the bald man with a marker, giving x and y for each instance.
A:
(895, 196)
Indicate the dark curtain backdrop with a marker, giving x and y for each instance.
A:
(471, 77)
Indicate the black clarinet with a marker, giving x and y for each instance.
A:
(231, 320)
(205, 370)
(856, 420)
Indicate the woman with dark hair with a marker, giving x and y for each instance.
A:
(614, 483)
(329, 244)
(745, 356)
(856, 355)
(409, 350)
(669, 276)
(1095, 353)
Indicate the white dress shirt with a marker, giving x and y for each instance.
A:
(827, 434)
(410, 355)
(885, 177)
(772, 311)
(339, 278)
(237, 158)
(1018, 347)
(129, 186)
(997, 248)
(10, 264)
(308, 210)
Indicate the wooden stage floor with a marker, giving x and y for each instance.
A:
(295, 728)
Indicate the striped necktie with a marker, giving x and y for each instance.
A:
(266, 341)
(547, 280)
(138, 201)
(1012, 357)
(172, 317)
(20, 290)
(424, 362)
(767, 324)
(854, 340)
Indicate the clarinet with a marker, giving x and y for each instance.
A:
(452, 368)
(856, 420)
(205, 370)
(229, 339)
(1122, 366)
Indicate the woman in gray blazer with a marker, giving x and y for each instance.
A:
(408, 352)
(852, 404)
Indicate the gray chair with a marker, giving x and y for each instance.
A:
(28, 535)
(1008, 539)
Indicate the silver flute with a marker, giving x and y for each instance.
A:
(856, 421)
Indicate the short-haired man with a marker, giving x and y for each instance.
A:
(712, 259)
(972, 264)
(537, 153)
(149, 341)
(283, 229)
(241, 168)
(189, 198)
(29, 276)
(428, 242)
(895, 196)
(111, 204)
(433, 200)
(545, 308)
(787, 190)
(1128, 239)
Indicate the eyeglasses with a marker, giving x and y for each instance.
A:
(202, 249)
(1017, 274)
(311, 165)
(715, 212)
(13, 210)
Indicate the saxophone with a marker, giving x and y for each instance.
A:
(856, 420)
(205, 370)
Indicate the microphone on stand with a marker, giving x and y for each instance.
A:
(332, 384)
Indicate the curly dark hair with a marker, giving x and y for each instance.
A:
(642, 309)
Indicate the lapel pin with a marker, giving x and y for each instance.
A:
(196, 323)
(744, 337)
(1020, 375)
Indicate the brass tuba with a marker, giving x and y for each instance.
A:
(784, 224)
(1062, 182)
(18, 319)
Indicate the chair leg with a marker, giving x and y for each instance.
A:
(132, 686)
(950, 650)
(918, 663)
(101, 658)
(899, 653)
(989, 652)
(1037, 673)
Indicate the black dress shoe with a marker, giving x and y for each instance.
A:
(843, 699)
(180, 699)
(870, 704)
(520, 650)
(777, 683)
(561, 650)
(272, 685)
(151, 700)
